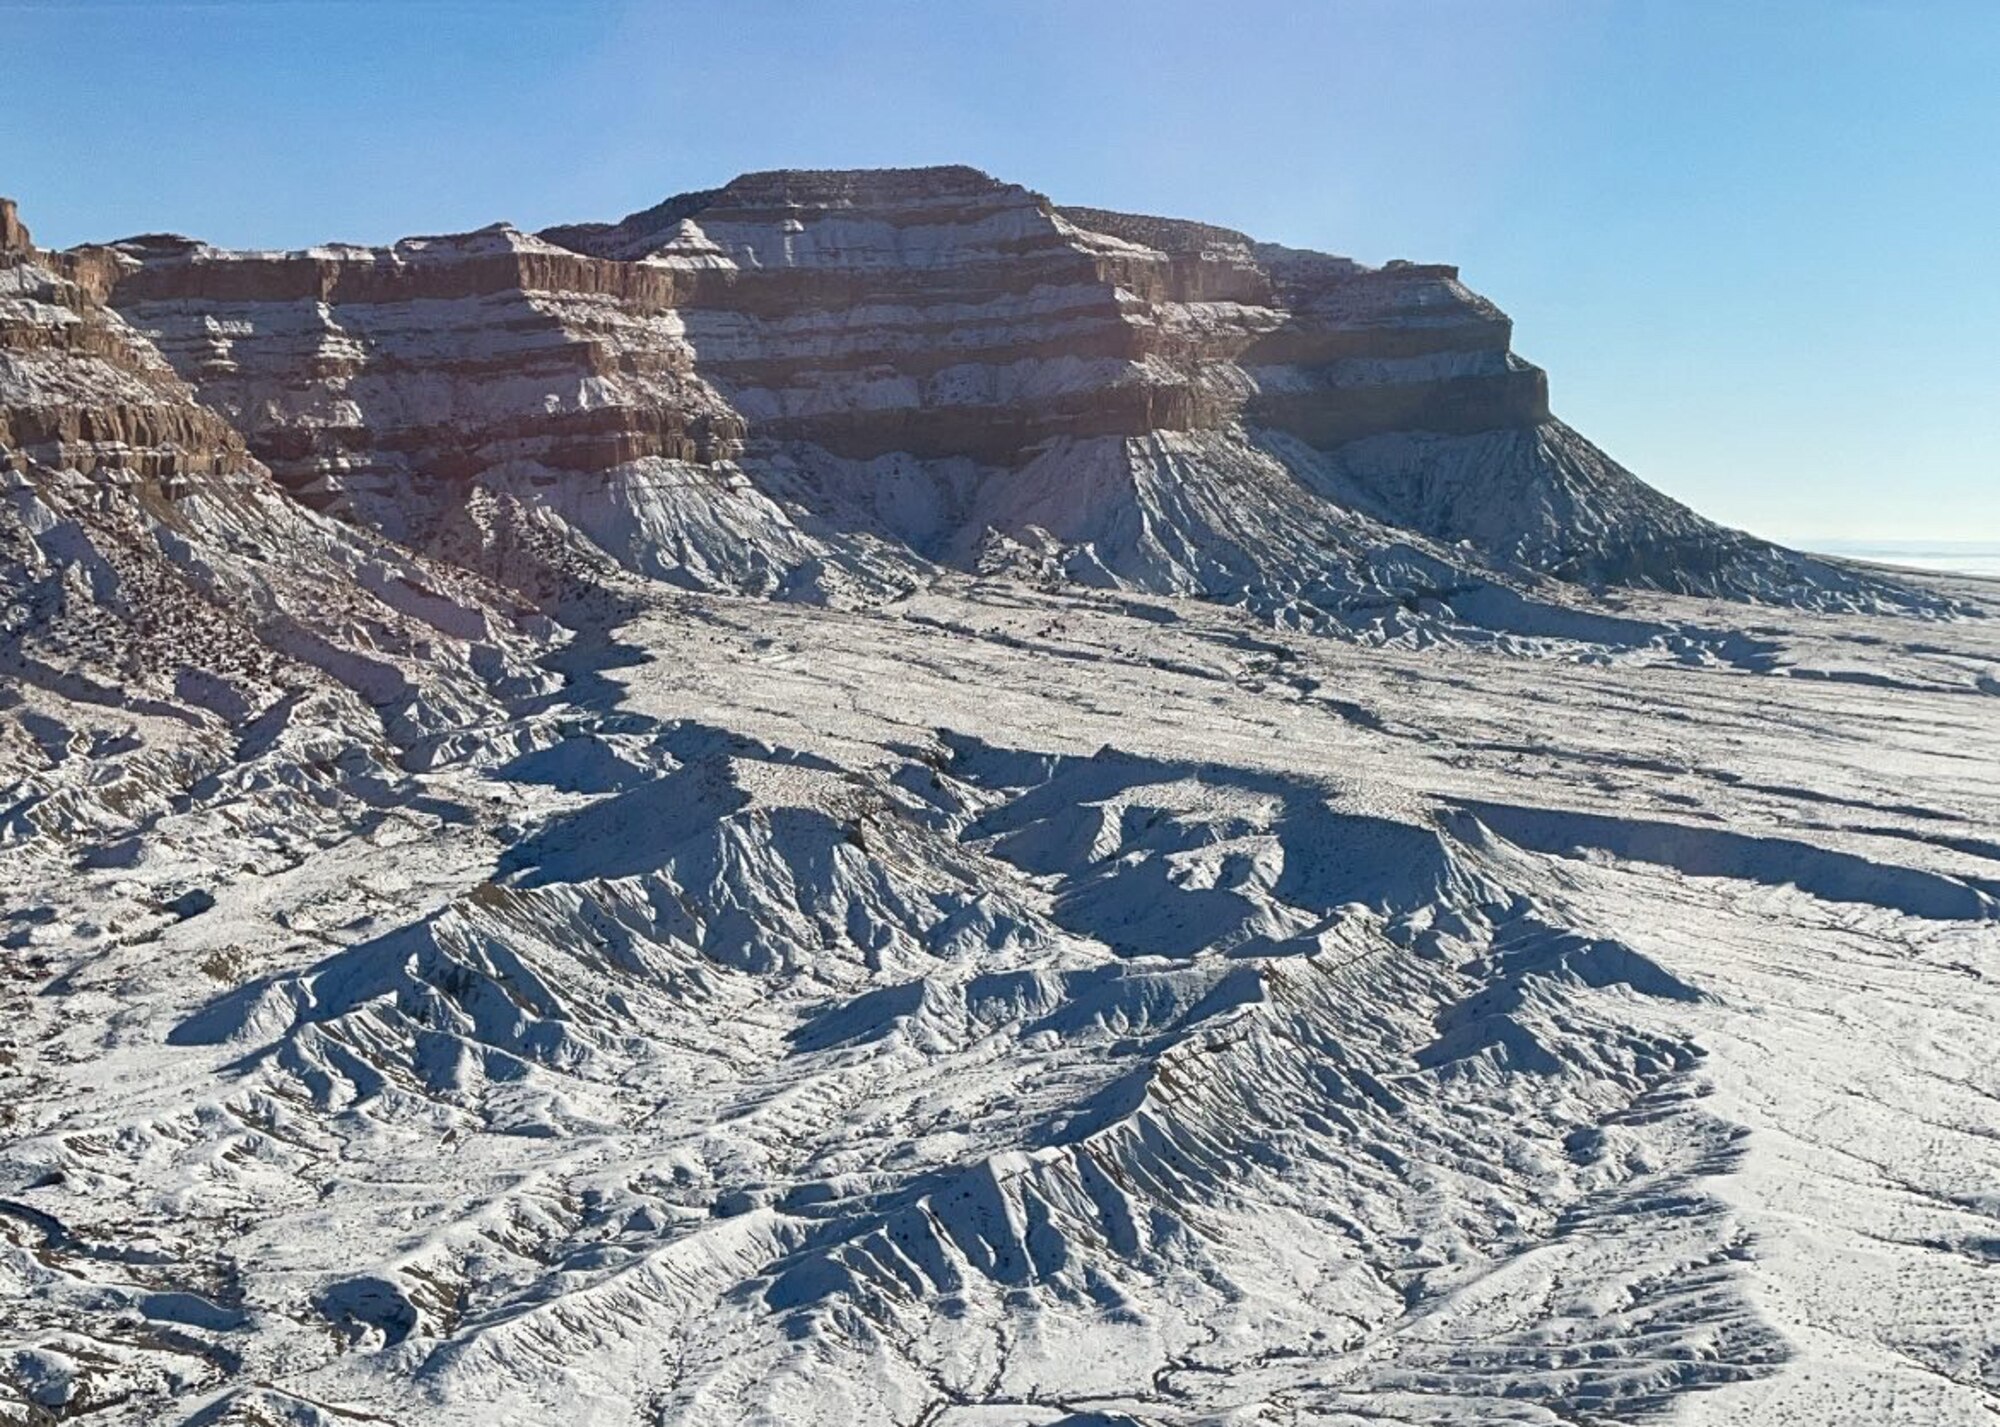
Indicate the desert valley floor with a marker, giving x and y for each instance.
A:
(1014, 1006)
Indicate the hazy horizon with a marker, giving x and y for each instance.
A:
(1749, 243)
(1955, 557)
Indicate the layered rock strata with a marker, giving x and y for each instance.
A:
(815, 383)
(149, 563)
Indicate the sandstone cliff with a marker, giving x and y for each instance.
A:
(826, 384)
(150, 565)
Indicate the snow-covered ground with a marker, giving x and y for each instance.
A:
(1016, 1006)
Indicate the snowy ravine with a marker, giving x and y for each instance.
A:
(864, 800)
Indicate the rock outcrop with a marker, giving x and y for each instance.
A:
(824, 384)
(150, 565)
(82, 392)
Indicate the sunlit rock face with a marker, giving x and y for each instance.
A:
(822, 384)
(940, 312)
(82, 390)
(450, 973)
(151, 566)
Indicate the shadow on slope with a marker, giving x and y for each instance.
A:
(1714, 852)
(1160, 858)
(1279, 1035)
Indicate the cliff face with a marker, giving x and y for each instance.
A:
(815, 384)
(149, 563)
(82, 392)
(942, 313)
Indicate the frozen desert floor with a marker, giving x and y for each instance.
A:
(1009, 1007)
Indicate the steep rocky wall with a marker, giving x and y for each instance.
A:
(354, 370)
(933, 312)
(80, 391)
(149, 563)
(805, 380)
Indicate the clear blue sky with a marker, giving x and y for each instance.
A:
(1756, 242)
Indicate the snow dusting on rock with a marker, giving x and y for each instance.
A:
(862, 799)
